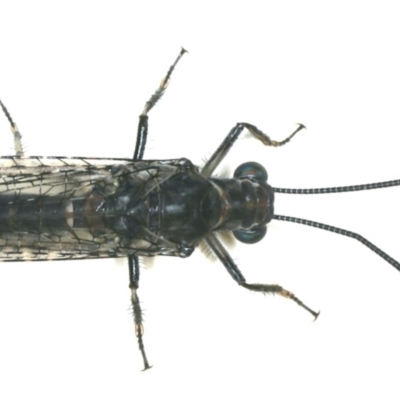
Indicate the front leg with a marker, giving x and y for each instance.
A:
(235, 273)
(228, 142)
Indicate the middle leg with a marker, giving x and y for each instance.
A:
(143, 118)
(133, 263)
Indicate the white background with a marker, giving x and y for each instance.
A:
(75, 76)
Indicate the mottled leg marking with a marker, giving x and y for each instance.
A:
(133, 263)
(142, 131)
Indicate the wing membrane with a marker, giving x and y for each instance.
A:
(52, 208)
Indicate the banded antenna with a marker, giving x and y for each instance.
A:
(341, 189)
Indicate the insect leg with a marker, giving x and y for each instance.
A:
(133, 262)
(143, 118)
(228, 142)
(235, 273)
(14, 129)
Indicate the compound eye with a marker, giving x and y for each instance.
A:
(250, 237)
(251, 170)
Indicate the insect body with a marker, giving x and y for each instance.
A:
(61, 208)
